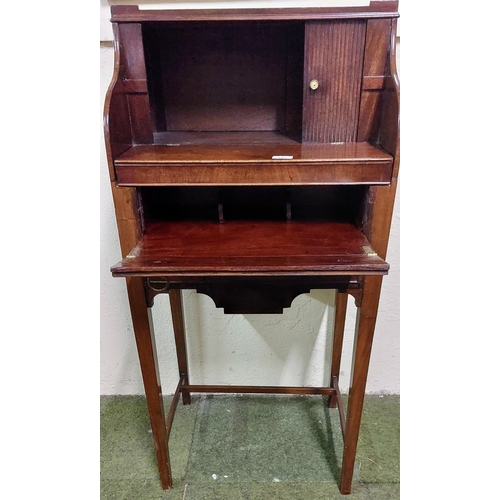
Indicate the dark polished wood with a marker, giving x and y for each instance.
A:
(338, 403)
(173, 406)
(375, 77)
(260, 389)
(235, 247)
(376, 9)
(133, 71)
(338, 339)
(241, 91)
(253, 156)
(353, 153)
(331, 111)
(175, 297)
(243, 164)
(367, 315)
(146, 348)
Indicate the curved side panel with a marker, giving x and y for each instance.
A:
(118, 138)
(389, 129)
(380, 199)
(117, 132)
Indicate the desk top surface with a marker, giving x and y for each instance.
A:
(251, 248)
(308, 153)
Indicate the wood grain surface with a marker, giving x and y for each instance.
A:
(247, 246)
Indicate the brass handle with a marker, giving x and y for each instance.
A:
(314, 84)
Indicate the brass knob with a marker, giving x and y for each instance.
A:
(314, 84)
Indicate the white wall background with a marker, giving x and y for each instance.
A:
(289, 349)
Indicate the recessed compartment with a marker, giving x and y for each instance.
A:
(231, 103)
(272, 203)
(224, 77)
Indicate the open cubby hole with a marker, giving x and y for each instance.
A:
(225, 81)
(255, 203)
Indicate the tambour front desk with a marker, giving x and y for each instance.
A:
(253, 156)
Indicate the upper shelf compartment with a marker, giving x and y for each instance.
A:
(231, 76)
(267, 162)
(295, 101)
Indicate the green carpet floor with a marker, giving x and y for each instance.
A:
(248, 447)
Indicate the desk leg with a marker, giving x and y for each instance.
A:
(144, 336)
(338, 339)
(180, 339)
(365, 327)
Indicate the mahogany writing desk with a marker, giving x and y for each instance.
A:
(253, 156)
